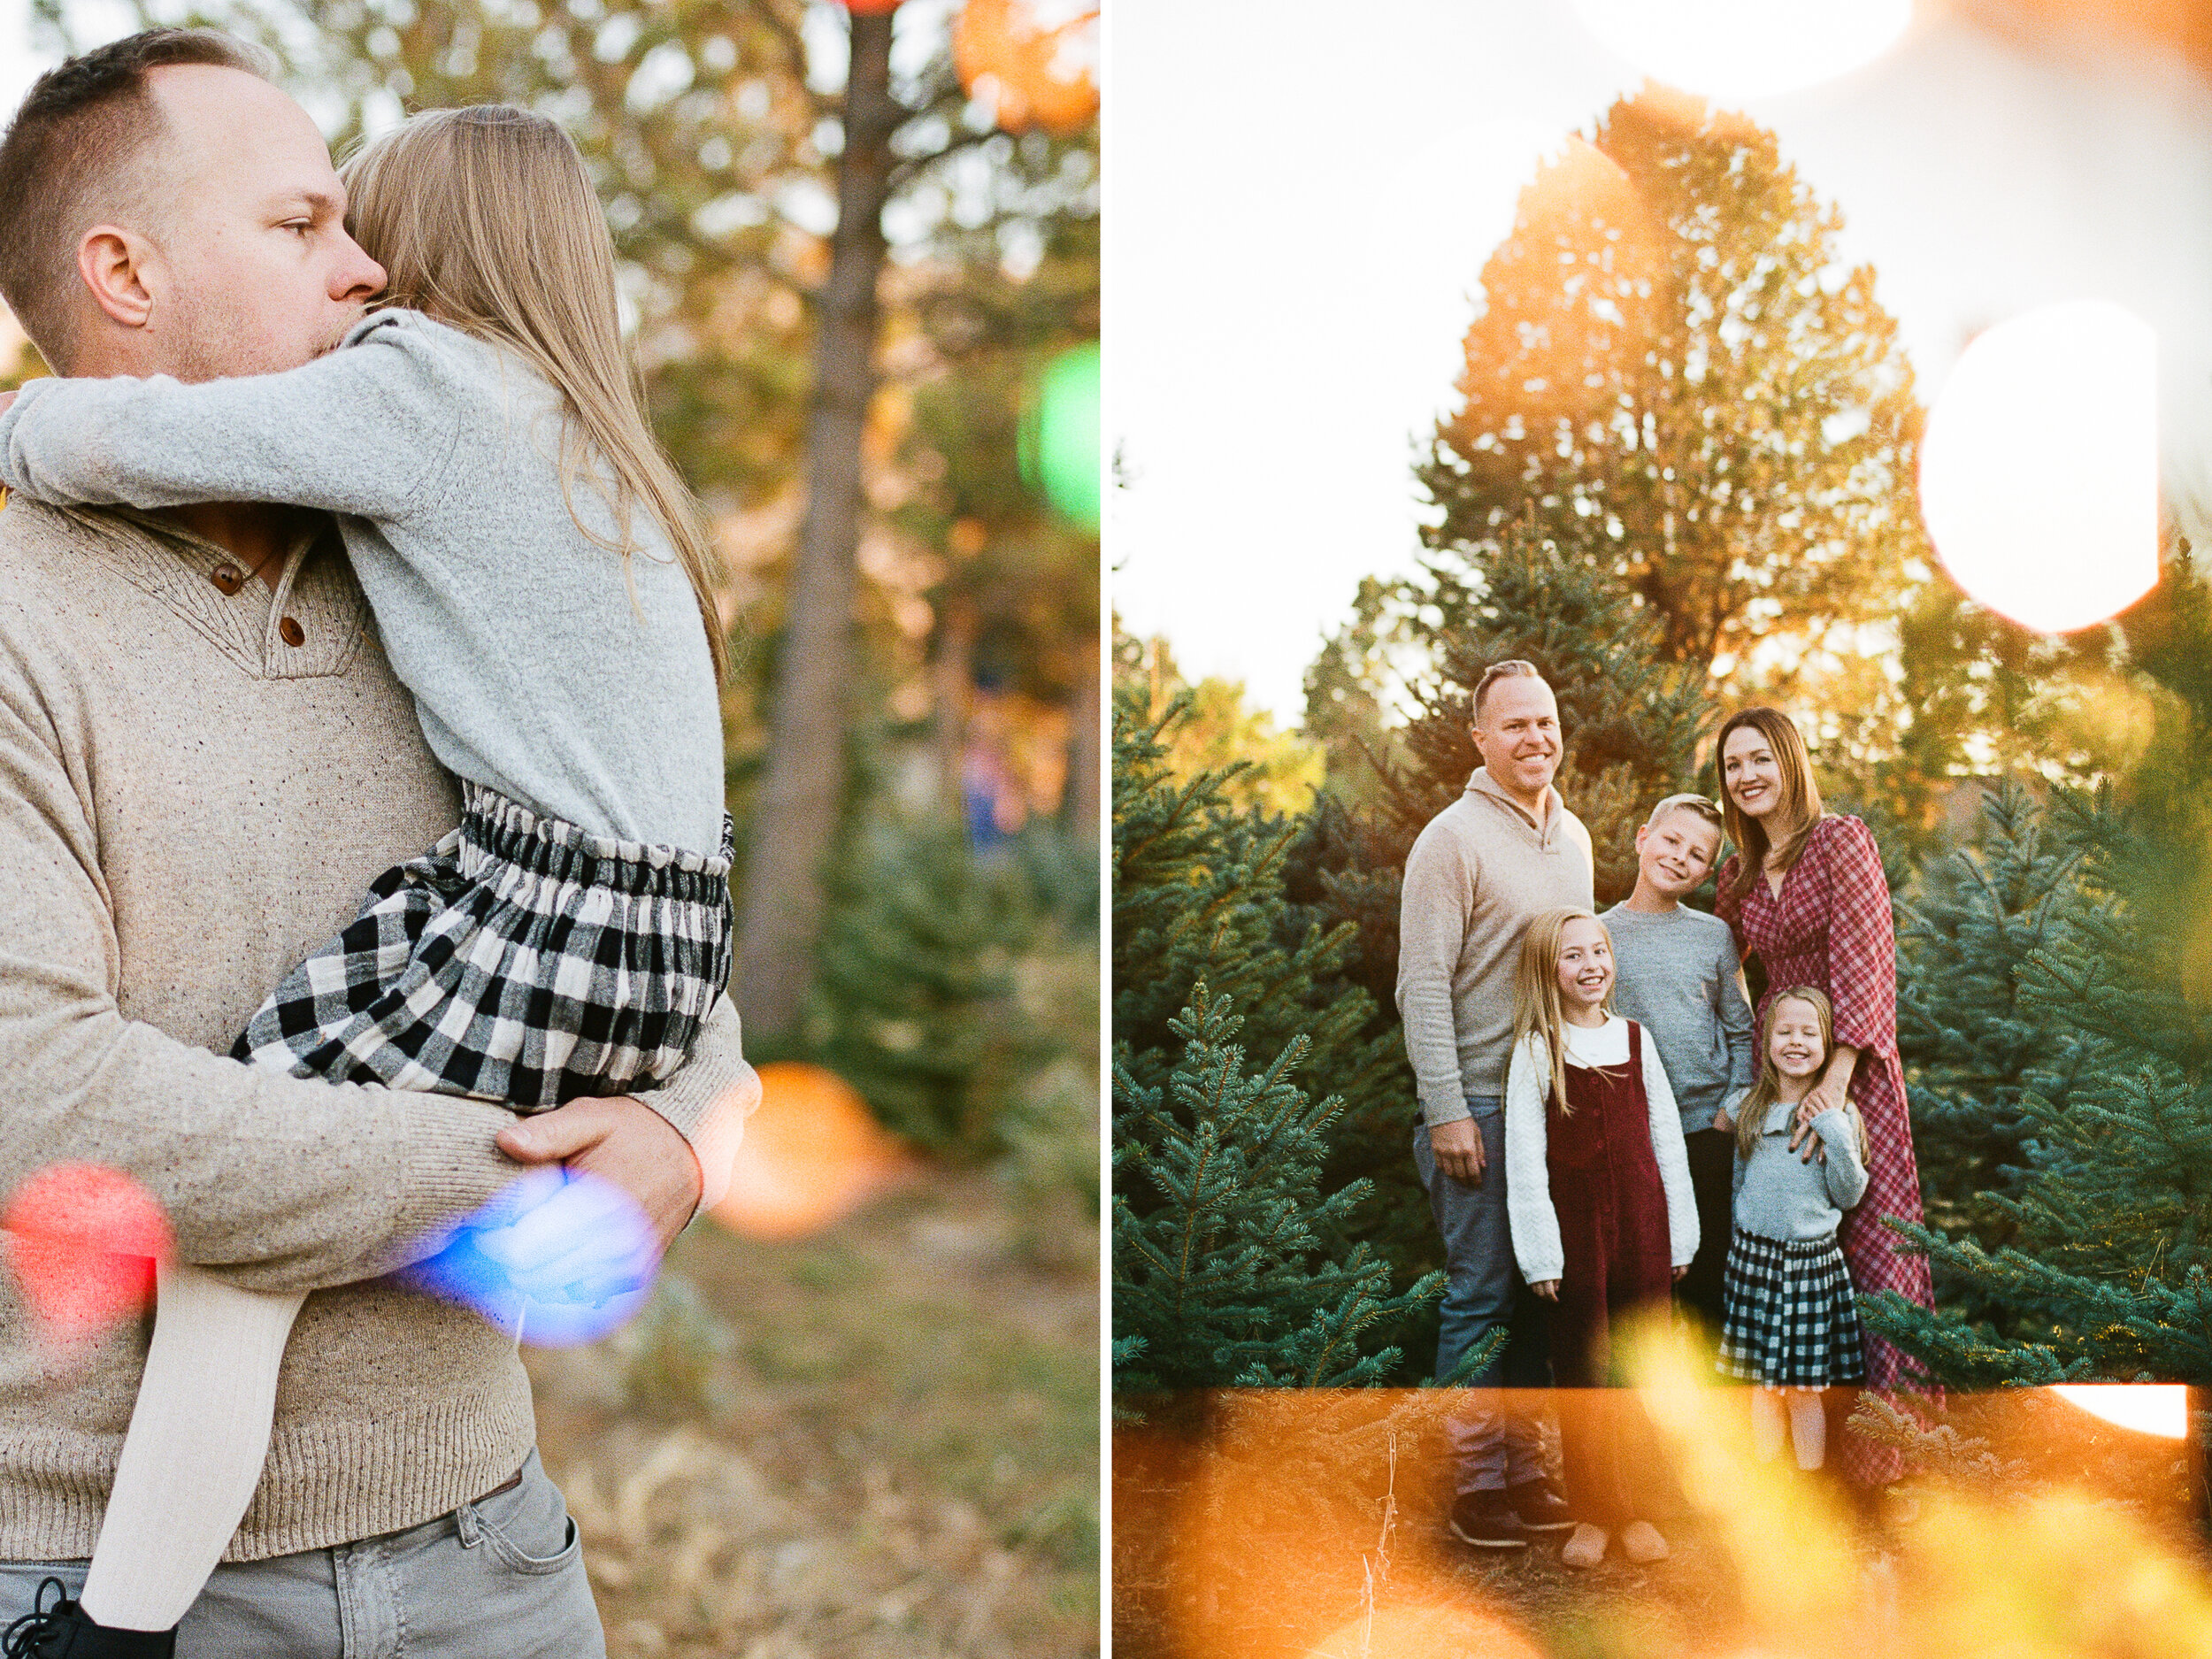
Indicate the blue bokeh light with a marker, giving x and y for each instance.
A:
(559, 1258)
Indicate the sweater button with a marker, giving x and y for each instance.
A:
(229, 578)
(291, 631)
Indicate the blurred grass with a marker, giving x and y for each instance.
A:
(882, 1440)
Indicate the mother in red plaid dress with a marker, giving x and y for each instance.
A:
(1805, 890)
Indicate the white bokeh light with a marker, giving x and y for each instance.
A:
(2039, 475)
(1737, 50)
(2147, 1408)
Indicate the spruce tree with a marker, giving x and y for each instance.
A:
(1971, 1043)
(1198, 901)
(915, 1002)
(1222, 1273)
(2103, 1270)
(1197, 896)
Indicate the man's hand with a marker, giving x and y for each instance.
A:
(621, 1140)
(1457, 1146)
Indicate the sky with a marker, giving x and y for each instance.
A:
(1296, 216)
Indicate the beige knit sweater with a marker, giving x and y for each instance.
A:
(197, 785)
(1479, 873)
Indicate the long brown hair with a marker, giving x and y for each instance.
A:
(1799, 805)
(484, 219)
(1751, 1111)
(1536, 1009)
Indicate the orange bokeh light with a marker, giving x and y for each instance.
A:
(1033, 72)
(811, 1154)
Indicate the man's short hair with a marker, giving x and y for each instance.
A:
(1706, 811)
(81, 124)
(1512, 668)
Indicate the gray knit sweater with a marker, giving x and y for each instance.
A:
(1678, 980)
(532, 672)
(1778, 1195)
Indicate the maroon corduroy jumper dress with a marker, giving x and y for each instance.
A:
(1617, 1258)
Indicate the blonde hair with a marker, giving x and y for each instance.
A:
(1800, 807)
(484, 219)
(1536, 1009)
(1751, 1111)
(1512, 668)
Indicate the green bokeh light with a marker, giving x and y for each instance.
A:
(1059, 451)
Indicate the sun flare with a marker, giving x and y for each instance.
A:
(1735, 49)
(2038, 475)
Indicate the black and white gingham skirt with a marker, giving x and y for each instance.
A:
(1791, 1320)
(519, 960)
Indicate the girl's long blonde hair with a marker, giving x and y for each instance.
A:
(1751, 1111)
(1800, 808)
(484, 219)
(1537, 1008)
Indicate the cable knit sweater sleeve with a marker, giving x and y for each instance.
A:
(1667, 1146)
(1528, 1204)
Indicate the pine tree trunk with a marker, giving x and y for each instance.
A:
(800, 792)
(1085, 777)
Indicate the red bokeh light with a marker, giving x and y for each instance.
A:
(83, 1240)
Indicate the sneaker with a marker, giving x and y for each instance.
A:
(1485, 1520)
(66, 1630)
(1540, 1508)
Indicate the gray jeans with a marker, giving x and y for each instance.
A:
(1493, 1434)
(502, 1576)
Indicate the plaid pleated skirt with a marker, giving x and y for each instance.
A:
(1791, 1320)
(520, 960)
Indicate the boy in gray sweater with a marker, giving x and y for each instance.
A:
(1679, 977)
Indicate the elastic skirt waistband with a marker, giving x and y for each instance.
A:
(495, 826)
(1788, 1247)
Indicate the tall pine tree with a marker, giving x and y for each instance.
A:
(1678, 372)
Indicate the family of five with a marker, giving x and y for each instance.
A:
(1609, 1127)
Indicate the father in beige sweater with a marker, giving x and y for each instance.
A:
(1506, 851)
(203, 760)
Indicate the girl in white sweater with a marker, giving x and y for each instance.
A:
(1603, 1217)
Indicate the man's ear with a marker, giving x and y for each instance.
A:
(121, 269)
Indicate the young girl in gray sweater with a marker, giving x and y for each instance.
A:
(538, 574)
(1791, 1323)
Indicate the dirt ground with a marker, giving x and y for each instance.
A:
(882, 1440)
(1275, 1525)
